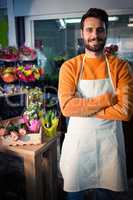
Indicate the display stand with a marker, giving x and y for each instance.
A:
(39, 161)
(40, 168)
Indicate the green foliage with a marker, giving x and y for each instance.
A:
(4, 31)
(12, 127)
(50, 115)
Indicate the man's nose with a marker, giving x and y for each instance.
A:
(95, 33)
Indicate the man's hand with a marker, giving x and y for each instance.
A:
(111, 99)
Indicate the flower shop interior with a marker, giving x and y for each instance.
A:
(36, 37)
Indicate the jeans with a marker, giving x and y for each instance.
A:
(103, 194)
(99, 194)
(75, 195)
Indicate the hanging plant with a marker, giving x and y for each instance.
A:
(27, 53)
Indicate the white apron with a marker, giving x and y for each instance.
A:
(93, 153)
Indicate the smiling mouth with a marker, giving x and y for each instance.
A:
(95, 42)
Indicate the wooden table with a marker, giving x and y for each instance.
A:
(40, 168)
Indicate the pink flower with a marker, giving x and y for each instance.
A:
(31, 78)
(34, 125)
(22, 77)
(24, 119)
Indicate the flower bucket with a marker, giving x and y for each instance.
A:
(51, 131)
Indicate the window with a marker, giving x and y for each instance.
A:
(120, 33)
(60, 38)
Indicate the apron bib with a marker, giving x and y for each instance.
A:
(93, 154)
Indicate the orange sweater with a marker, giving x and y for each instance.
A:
(95, 68)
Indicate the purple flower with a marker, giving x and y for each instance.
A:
(34, 125)
(27, 67)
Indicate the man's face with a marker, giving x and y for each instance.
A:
(94, 34)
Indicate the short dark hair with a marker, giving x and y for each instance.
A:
(97, 13)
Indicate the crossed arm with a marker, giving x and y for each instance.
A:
(106, 106)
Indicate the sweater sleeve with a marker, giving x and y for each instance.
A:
(70, 103)
(123, 109)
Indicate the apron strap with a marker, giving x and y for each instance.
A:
(81, 69)
(108, 67)
(108, 71)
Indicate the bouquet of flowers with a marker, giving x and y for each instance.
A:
(112, 49)
(27, 53)
(8, 74)
(31, 117)
(9, 54)
(28, 72)
(35, 95)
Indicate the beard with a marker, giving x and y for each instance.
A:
(96, 47)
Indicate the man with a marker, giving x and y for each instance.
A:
(96, 92)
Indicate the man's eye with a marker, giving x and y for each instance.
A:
(101, 30)
(89, 30)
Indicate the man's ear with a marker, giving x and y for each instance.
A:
(81, 33)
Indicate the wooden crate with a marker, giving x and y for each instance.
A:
(40, 168)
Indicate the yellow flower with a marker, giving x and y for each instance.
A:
(36, 75)
(28, 72)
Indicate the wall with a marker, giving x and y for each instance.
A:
(11, 24)
(49, 7)
(53, 9)
(3, 4)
